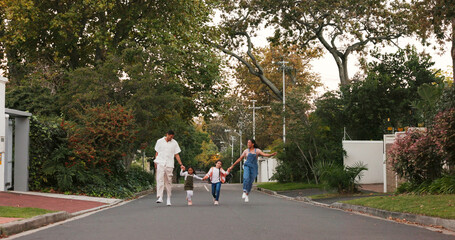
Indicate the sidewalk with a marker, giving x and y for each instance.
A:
(66, 206)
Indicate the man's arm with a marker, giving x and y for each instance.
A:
(177, 156)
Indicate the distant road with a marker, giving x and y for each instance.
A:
(264, 217)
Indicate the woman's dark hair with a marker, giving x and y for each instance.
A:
(254, 143)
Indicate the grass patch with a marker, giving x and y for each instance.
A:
(274, 186)
(16, 212)
(335, 195)
(442, 206)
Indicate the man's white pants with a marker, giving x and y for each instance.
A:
(164, 179)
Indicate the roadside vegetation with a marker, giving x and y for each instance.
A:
(442, 206)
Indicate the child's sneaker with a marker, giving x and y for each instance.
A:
(244, 195)
(246, 199)
(216, 203)
(190, 203)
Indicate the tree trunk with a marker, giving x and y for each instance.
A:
(342, 64)
(453, 48)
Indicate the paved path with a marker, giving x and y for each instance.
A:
(265, 217)
(50, 203)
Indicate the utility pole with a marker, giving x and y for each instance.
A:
(284, 100)
(254, 116)
(240, 149)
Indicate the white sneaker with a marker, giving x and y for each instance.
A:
(159, 200)
(244, 195)
(168, 202)
(246, 199)
(216, 203)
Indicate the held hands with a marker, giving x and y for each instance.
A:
(182, 167)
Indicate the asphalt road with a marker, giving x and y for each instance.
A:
(264, 217)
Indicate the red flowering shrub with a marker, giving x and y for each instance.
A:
(444, 132)
(416, 157)
(101, 139)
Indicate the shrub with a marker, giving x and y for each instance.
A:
(444, 132)
(101, 138)
(443, 185)
(342, 178)
(46, 140)
(416, 157)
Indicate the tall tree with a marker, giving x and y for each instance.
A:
(341, 27)
(435, 18)
(300, 86)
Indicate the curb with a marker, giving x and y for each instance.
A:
(15, 227)
(300, 199)
(32, 223)
(448, 224)
(420, 219)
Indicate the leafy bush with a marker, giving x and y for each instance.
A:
(443, 185)
(443, 130)
(416, 157)
(134, 180)
(283, 173)
(101, 139)
(47, 139)
(342, 178)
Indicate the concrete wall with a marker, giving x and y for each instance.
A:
(266, 169)
(369, 153)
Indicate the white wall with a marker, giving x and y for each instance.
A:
(266, 169)
(369, 153)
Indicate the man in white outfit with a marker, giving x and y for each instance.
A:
(166, 149)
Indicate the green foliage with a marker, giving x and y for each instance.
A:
(101, 138)
(442, 185)
(447, 100)
(32, 98)
(341, 178)
(47, 142)
(123, 186)
(384, 98)
(429, 97)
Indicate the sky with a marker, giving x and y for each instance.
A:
(328, 70)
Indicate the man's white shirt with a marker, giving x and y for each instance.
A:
(166, 152)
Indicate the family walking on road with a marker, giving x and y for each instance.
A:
(167, 149)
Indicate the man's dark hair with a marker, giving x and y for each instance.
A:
(170, 132)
